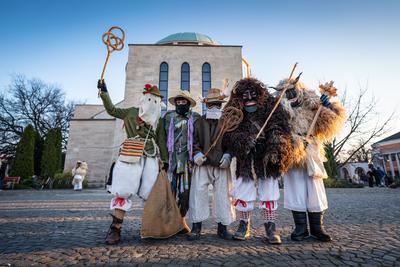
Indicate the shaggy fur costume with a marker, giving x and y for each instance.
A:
(274, 147)
(327, 125)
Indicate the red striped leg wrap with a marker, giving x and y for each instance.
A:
(269, 214)
(244, 215)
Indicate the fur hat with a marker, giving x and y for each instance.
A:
(293, 83)
(245, 84)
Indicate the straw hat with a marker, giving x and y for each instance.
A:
(182, 94)
(214, 95)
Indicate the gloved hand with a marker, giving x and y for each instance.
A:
(225, 161)
(101, 84)
(199, 159)
(257, 146)
(325, 101)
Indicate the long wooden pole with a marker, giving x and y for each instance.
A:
(277, 102)
(330, 91)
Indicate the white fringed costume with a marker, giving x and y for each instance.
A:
(314, 121)
(136, 170)
(79, 174)
(210, 172)
(302, 192)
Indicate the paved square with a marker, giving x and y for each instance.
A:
(63, 227)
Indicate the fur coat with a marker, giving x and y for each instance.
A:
(328, 124)
(270, 155)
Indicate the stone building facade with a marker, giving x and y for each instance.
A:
(188, 61)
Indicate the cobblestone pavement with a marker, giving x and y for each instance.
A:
(63, 227)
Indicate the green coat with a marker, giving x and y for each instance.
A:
(134, 128)
(180, 155)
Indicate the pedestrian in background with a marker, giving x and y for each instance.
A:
(370, 179)
(79, 173)
(378, 175)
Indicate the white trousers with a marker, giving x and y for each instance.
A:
(304, 193)
(132, 178)
(78, 179)
(247, 192)
(221, 180)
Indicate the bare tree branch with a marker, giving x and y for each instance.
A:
(359, 130)
(32, 102)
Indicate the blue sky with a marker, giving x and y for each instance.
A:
(354, 42)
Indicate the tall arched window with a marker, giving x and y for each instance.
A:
(206, 81)
(185, 77)
(163, 81)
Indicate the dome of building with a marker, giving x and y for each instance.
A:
(188, 38)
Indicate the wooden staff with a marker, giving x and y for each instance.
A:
(328, 90)
(230, 120)
(277, 102)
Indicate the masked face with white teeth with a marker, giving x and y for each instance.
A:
(249, 99)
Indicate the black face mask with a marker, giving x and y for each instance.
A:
(182, 109)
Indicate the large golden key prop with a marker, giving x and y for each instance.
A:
(113, 43)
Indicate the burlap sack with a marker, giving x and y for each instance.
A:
(161, 215)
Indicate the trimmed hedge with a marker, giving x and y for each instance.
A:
(51, 154)
(23, 165)
(63, 180)
(339, 183)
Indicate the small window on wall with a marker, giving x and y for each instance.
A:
(163, 82)
(206, 82)
(185, 77)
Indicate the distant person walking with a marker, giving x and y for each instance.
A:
(382, 176)
(378, 175)
(3, 169)
(79, 173)
(370, 179)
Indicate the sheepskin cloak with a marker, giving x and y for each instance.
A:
(328, 124)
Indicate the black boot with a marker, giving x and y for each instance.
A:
(317, 226)
(195, 233)
(300, 220)
(223, 232)
(243, 231)
(272, 236)
(114, 233)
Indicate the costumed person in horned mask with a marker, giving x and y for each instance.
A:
(213, 168)
(137, 167)
(79, 173)
(179, 125)
(304, 192)
(259, 161)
